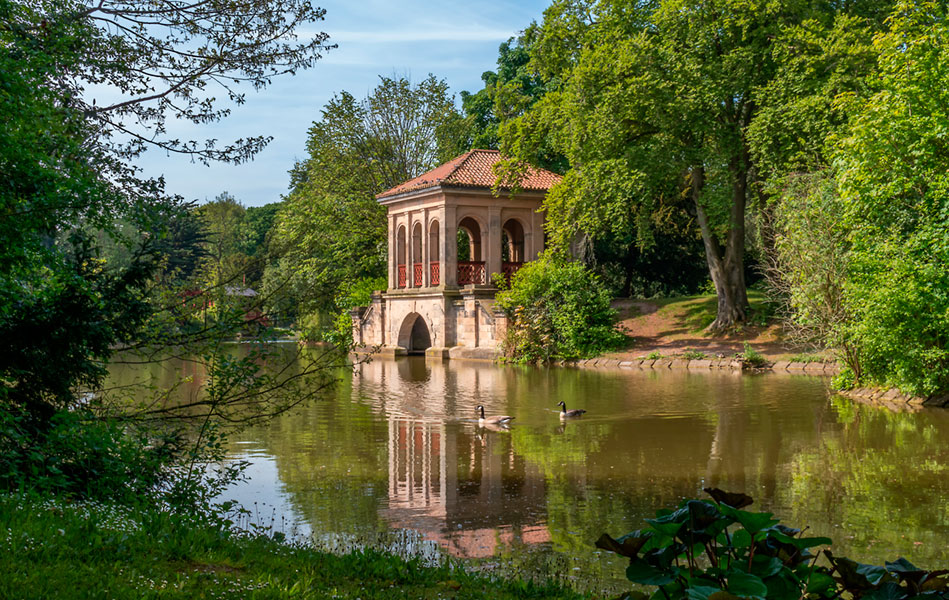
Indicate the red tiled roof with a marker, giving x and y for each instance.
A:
(474, 168)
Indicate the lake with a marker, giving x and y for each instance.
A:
(395, 457)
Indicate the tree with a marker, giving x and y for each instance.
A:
(508, 93)
(331, 232)
(656, 103)
(223, 219)
(68, 184)
(890, 168)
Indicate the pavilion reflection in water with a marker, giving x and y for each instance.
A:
(458, 484)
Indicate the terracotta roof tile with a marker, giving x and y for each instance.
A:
(474, 168)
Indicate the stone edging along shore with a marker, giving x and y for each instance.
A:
(707, 364)
(892, 399)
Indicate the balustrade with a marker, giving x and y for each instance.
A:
(434, 276)
(417, 275)
(401, 282)
(510, 268)
(470, 271)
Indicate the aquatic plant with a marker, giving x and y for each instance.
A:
(714, 550)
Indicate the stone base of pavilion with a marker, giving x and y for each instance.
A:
(454, 353)
(419, 322)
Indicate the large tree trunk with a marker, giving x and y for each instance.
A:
(725, 265)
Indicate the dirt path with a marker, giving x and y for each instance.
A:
(673, 327)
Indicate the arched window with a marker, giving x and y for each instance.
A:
(417, 255)
(434, 266)
(470, 264)
(400, 257)
(512, 250)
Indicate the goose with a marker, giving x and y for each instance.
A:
(565, 414)
(496, 420)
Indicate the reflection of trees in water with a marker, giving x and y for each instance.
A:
(400, 448)
(879, 482)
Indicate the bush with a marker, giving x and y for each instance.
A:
(557, 310)
(713, 550)
(80, 456)
(753, 357)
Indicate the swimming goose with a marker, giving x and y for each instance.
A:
(564, 413)
(496, 420)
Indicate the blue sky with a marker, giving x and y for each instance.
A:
(454, 41)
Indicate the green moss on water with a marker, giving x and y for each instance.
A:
(56, 549)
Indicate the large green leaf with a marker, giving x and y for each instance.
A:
(888, 591)
(639, 571)
(766, 566)
(670, 523)
(856, 576)
(746, 585)
(783, 587)
(628, 545)
(741, 539)
(820, 583)
(701, 592)
(734, 500)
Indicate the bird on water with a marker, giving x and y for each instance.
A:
(566, 414)
(495, 420)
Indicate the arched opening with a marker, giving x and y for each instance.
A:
(417, 255)
(414, 335)
(400, 257)
(470, 264)
(512, 247)
(434, 266)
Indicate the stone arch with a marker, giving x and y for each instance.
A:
(415, 334)
(417, 255)
(513, 249)
(400, 257)
(473, 229)
(434, 264)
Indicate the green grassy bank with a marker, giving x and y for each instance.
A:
(57, 549)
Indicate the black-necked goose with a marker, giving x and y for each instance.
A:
(565, 414)
(496, 420)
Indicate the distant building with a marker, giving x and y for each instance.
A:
(448, 234)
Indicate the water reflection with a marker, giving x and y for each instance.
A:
(398, 448)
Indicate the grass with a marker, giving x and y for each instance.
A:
(56, 549)
(696, 313)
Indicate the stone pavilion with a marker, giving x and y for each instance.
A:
(448, 236)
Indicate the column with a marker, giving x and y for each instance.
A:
(426, 254)
(393, 252)
(537, 235)
(449, 242)
(492, 243)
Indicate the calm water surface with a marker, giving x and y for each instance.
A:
(398, 449)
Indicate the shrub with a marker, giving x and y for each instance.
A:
(81, 456)
(713, 550)
(753, 357)
(557, 310)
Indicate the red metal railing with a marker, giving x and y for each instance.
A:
(434, 277)
(510, 268)
(470, 271)
(417, 275)
(401, 282)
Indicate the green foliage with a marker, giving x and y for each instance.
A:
(862, 247)
(895, 191)
(557, 310)
(96, 550)
(81, 456)
(715, 550)
(654, 355)
(753, 357)
(693, 355)
(331, 231)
